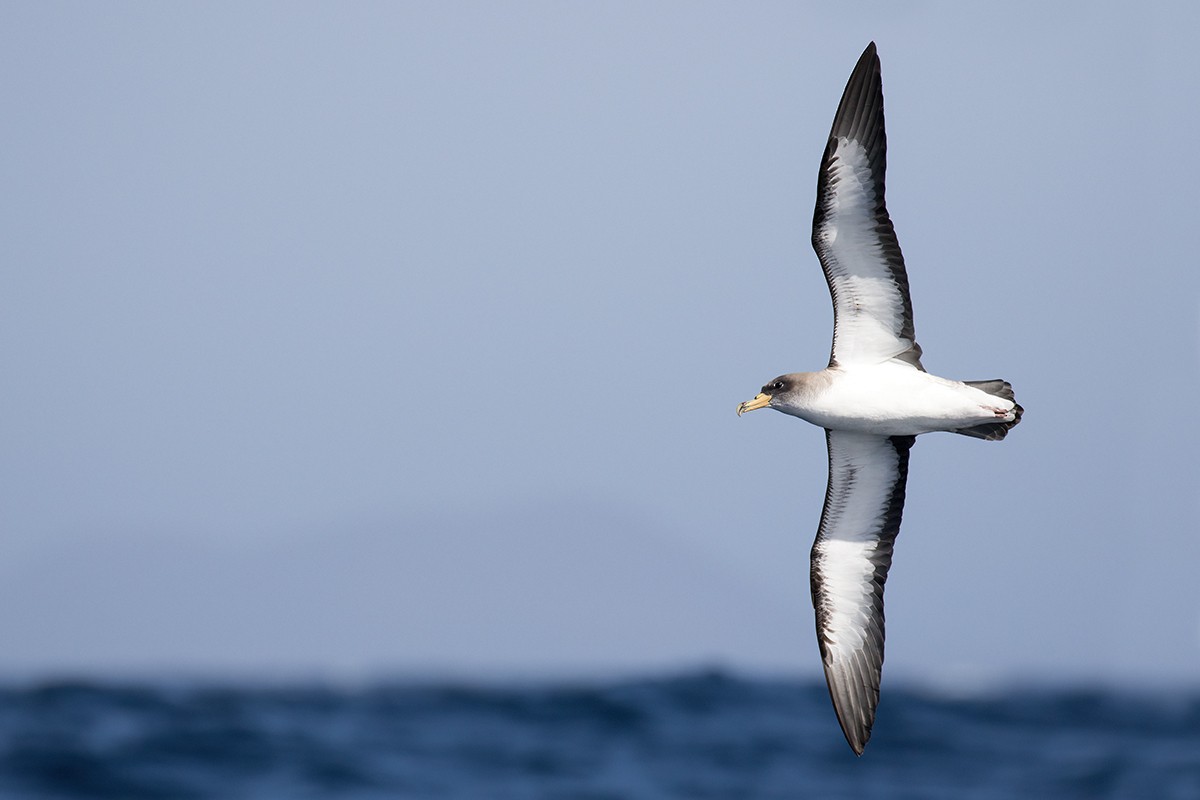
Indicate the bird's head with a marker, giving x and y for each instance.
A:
(774, 394)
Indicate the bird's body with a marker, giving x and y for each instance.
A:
(873, 400)
(891, 399)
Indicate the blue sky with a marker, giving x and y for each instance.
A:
(407, 337)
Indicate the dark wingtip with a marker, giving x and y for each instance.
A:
(856, 736)
(860, 113)
(855, 715)
(868, 55)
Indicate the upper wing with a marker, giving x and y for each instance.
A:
(853, 235)
(850, 561)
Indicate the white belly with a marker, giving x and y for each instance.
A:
(897, 400)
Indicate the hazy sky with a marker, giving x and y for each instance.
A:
(356, 338)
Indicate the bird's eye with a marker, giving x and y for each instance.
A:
(777, 385)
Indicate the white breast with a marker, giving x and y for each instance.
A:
(895, 399)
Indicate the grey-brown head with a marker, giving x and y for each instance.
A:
(775, 393)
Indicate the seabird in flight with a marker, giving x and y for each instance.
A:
(873, 400)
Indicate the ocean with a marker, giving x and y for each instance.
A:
(694, 736)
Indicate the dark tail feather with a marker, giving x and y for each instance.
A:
(993, 431)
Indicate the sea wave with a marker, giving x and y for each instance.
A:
(700, 735)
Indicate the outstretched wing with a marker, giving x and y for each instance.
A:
(850, 561)
(853, 235)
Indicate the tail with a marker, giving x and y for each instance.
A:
(994, 431)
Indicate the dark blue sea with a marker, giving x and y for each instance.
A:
(700, 735)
